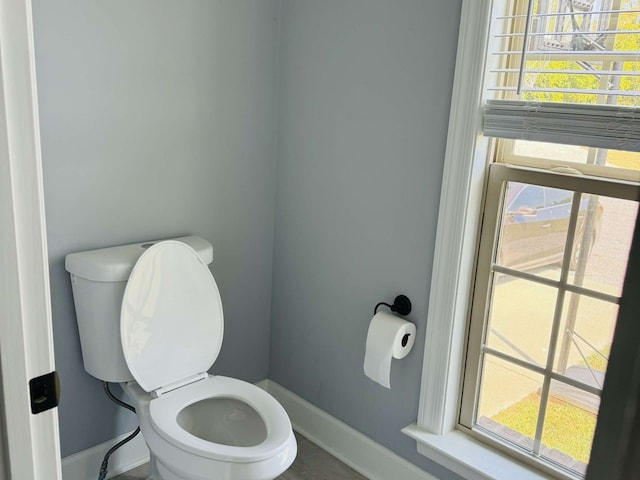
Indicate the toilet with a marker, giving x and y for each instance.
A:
(150, 318)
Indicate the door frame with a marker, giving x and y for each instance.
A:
(32, 448)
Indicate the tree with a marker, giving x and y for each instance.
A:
(557, 80)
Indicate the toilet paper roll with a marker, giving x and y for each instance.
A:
(388, 337)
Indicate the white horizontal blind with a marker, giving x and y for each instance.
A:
(565, 71)
(605, 126)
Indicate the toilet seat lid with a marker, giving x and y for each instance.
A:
(171, 321)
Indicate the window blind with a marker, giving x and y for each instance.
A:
(565, 71)
(601, 126)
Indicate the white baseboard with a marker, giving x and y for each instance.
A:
(85, 465)
(343, 442)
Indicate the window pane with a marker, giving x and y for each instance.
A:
(520, 319)
(573, 154)
(533, 229)
(585, 338)
(605, 228)
(568, 431)
(582, 355)
(509, 401)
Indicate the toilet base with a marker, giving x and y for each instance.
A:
(157, 471)
(171, 463)
(161, 472)
(153, 468)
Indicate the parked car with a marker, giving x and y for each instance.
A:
(535, 223)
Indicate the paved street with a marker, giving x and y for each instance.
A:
(609, 255)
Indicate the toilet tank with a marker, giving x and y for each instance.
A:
(98, 279)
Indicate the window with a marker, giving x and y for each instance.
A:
(470, 159)
(562, 183)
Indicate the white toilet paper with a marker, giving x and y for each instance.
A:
(384, 341)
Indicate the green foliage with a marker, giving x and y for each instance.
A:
(596, 360)
(567, 428)
(560, 80)
(630, 43)
(566, 81)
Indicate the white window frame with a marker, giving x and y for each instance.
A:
(491, 220)
(464, 175)
(436, 430)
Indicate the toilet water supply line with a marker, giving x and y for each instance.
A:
(105, 461)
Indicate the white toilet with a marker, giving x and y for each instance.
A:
(156, 327)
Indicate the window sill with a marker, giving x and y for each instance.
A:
(468, 457)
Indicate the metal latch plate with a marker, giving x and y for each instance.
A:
(44, 392)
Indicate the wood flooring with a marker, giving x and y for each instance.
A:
(312, 463)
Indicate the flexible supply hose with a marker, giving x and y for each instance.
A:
(105, 461)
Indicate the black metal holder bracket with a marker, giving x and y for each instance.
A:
(401, 305)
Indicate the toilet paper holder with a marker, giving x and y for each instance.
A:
(401, 305)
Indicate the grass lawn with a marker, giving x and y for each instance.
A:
(567, 428)
(621, 159)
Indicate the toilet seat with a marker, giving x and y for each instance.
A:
(165, 409)
(171, 321)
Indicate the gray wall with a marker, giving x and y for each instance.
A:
(4, 465)
(158, 119)
(365, 89)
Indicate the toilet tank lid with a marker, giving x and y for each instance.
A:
(114, 264)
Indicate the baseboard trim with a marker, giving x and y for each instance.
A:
(85, 465)
(343, 442)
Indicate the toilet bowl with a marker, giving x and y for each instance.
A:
(197, 426)
(215, 428)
